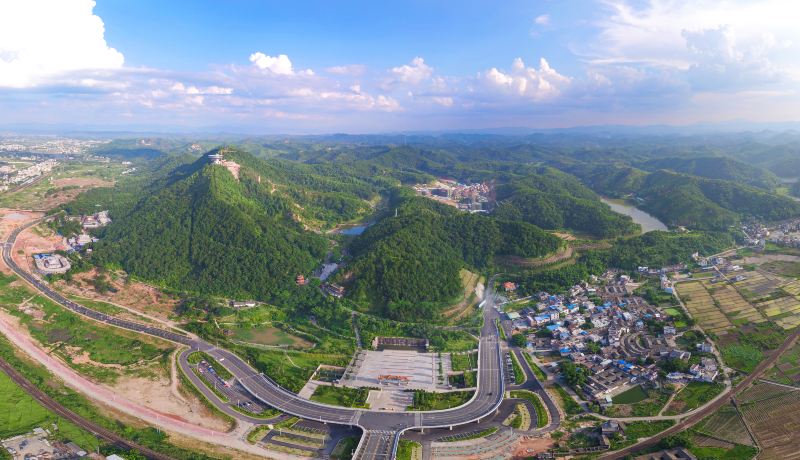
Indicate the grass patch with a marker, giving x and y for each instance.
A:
(519, 375)
(739, 452)
(424, 400)
(290, 369)
(631, 396)
(537, 371)
(406, 449)
(60, 329)
(500, 329)
(569, 405)
(463, 361)
(743, 357)
(341, 396)
(692, 396)
(257, 434)
(20, 413)
(345, 449)
(475, 435)
(541, 412)
(269, 335)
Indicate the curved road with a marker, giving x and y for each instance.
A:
(382, 430)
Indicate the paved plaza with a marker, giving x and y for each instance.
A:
(420, 369)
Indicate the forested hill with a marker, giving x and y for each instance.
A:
(209, 232)
(552, 199)
(686, 200)
(716, 168)
(407, 266)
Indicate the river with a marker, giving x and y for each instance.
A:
(648, 222)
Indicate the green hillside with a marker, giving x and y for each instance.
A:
(716, 168)
(408, 266)
(554, 200)
(184, 236)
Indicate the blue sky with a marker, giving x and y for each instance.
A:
(302, 67)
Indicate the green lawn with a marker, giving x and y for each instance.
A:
(464, 361)
(541, 412)
(341, 396)
(424, 400)
(672, 311)
(631, 396)
(345, 448)
(405, 451)
(290, 369)
(269, 335)
(692, 396)
(19, 413)
(519, 375)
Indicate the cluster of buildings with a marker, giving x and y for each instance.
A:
(784, 234)
(38, 445)
(51, 264)
(48, 145)
(467, 197)
(618, 336)
(10, 176)
(92, 221)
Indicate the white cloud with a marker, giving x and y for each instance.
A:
(42, 39)
(350, 69)
(542, 20)
(278, 65)
(414, 73)
(665, 33)
(537, 84)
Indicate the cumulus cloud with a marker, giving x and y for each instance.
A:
(350, 69)
(528, 82)
(42, 39)
(542, 20)
(278, 65)
(413, 73)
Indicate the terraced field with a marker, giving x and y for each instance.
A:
(702, 307)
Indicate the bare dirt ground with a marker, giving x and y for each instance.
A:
(527, 448)
(86, 182)
(35, 240)
(135, 295)
(764, 258)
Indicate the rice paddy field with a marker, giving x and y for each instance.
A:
(759, 284)
(785, 311)
(702, 308)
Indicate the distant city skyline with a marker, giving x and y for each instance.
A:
(365, 67)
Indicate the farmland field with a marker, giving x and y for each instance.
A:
(702, 307)
(736, 308)
(726, 424)
(787, 369)
(771, 412)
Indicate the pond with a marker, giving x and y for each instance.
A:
(353, 231)
(648, 222)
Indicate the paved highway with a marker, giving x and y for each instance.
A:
(375, 424)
